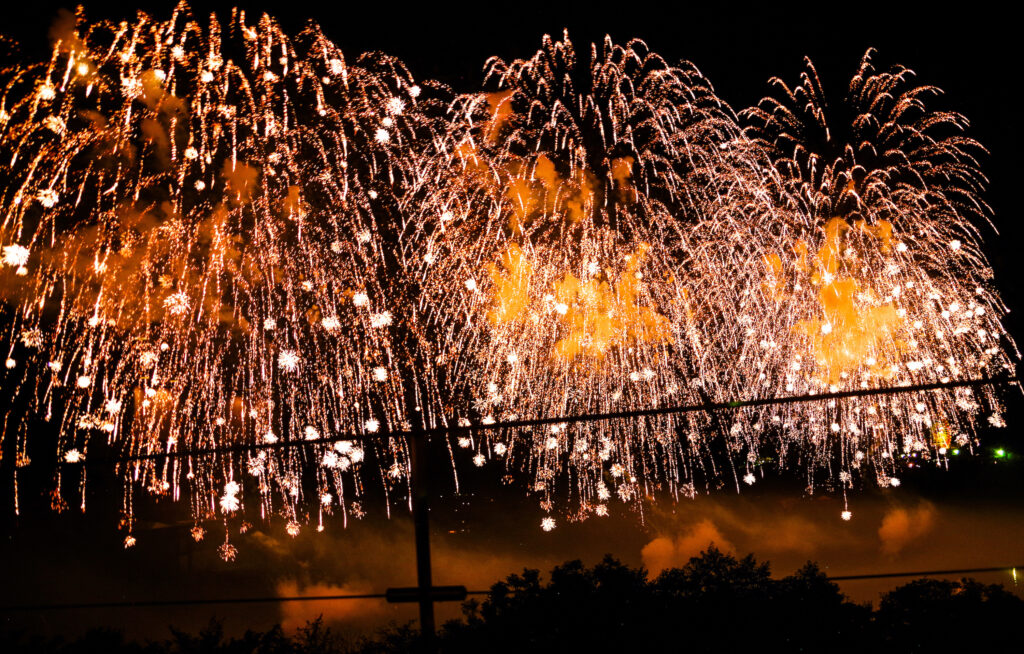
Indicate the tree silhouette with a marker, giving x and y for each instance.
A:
(714, 603)
(941, 615)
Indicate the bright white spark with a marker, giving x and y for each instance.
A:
(288, 360)
(15, 255)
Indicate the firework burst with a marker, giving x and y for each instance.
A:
(864, 270)
(552, 242)
(188, 214)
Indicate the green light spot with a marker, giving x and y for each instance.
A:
(956, 452)
(1000, 453)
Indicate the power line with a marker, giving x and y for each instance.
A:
(205, 601)
(381, 596)
(925, 573)
(185, 602)
(537, 422)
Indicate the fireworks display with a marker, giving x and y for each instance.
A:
(867, 272)
(554, 219)
(189, 229)
(219, 238)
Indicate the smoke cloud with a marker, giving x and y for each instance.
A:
(901, 526)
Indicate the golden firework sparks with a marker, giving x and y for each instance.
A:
(207, 251)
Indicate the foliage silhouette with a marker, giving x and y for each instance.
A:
(714, 603)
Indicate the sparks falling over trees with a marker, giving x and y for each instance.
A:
(231, 237)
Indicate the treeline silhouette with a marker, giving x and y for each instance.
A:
(714, 603)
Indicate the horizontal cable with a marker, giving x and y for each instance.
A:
(537, 422)
(314, 598)
(196, 602)
(924, 573)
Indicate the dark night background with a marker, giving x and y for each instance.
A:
(971, 516)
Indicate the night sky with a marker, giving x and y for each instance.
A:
(970, 516)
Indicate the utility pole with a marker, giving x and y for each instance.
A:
(425, 593)
(420, 483)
